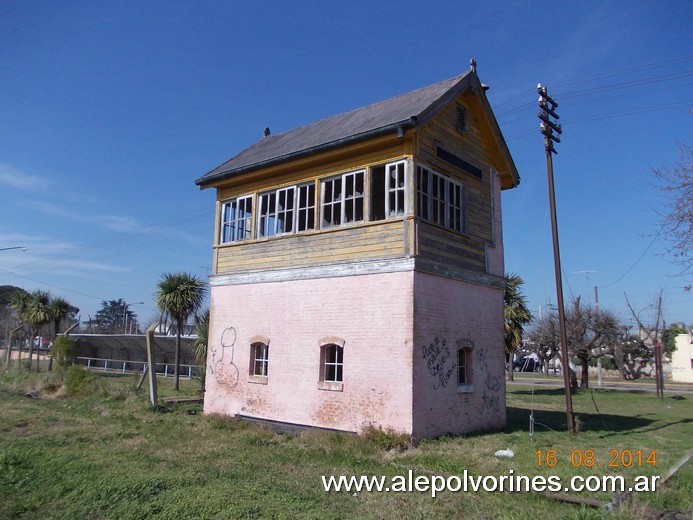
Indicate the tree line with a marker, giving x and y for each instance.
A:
(179, 296)
(591, 334)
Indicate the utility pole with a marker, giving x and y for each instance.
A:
(549, 129)
(600, 376)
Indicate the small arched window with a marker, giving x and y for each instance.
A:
(331, 375)
(464, 365)
(260, 359)
(258, 369)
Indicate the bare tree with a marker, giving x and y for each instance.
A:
(543, 339)
(677, 217)
(589, 335)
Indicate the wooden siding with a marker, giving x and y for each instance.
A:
(345, 159)
(443, 247)
(389, 239)
(439, 245)
(373, 241)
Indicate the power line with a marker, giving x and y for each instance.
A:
(632, 266)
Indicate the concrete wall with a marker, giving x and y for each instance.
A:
(452, 314)
(372, 314)
(682, 359)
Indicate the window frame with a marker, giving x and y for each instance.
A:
(342, 200)
(259, 357)
(465, 373)
(336, 361)
(396, 191)
(239, 219)
(276, 221)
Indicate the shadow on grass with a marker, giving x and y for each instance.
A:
(518, 420)
(606, 424)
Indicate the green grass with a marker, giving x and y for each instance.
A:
(109, 455)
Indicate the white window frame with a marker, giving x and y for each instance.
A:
(331, 375)
(260, 358)
(236, 217)
(340, 201)
(395, 190)
(305, 203)
(291, 217)
(281, 218)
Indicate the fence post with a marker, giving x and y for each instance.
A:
(152, 365)
(8, 354)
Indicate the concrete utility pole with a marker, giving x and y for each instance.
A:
(549, 128)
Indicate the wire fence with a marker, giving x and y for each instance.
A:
(136, 367)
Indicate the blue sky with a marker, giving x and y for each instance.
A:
(110, 110)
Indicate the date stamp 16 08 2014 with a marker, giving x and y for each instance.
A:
(621, 458)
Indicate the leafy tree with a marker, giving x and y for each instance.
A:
(201, 343)
(515, 316)
(181, 295)
(112, 316)
(669, 337)
(62, 351)
(677, 218)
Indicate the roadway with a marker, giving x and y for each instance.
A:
(638, 385)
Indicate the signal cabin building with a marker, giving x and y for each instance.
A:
(358, 269)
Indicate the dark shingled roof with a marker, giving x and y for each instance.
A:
(406, 111)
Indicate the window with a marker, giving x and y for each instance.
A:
(441, 200)
(342, 199)
(464, 366)
(461, 367)
(334, 363)
(388, 185)
(276, 214)
(259, 358)
(395, 189)
(306, 207)
(331, 364)
(236, 218)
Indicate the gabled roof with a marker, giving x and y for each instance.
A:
(404, 111)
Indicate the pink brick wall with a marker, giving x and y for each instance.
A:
(447, 313)
(371, 313)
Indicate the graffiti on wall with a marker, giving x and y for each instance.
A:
(437, 355)
(492, 384)
(221, 361)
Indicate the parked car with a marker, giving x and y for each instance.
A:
(42, 343)
(526, 364)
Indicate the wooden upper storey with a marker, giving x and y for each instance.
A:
(420, 187)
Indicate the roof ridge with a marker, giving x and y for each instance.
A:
(452, 81)
(358, 123)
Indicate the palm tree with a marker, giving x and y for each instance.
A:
(19, 301)
(181, 295)
(59, 309)
(200, 344)
(516, 315)
(33, 309)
